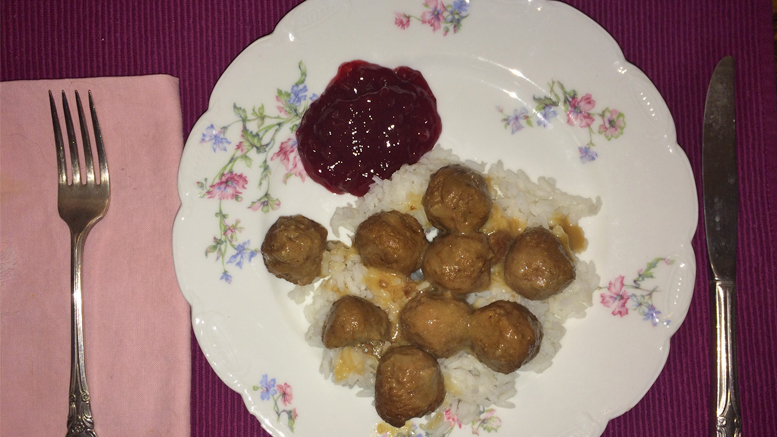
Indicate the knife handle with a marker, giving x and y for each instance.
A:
(728, 418)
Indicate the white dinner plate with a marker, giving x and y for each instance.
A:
(496, 68)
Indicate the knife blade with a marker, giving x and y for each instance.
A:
(721, 206)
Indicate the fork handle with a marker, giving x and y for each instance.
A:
(728, 418)
(79, 419)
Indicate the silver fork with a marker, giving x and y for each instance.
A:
(81, 205)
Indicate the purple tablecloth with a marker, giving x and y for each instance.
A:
(676, 43)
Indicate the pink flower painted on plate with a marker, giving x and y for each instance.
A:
(402, 20)
(433, 16)
(613, 123)
(285, 391)
(281, 107)
(579, 111)
(288, 155)
(616, 297)
(452, 418)
(265, 203)
(232, 230)
(228, 186)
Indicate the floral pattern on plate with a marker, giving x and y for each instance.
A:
(264, 138)
(437, 15)
(579, 111)
(487, 421)
(640, 298)
(281, 396)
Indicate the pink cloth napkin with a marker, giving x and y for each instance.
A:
(136, 322)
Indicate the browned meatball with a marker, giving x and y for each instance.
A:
(408, 383)
(353, 320)
(436, 324)
(504, 335)
(457, 199)
(391, 240)
(460, 263)
(537, 266)
(294, 248)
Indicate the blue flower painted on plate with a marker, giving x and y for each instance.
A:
(652, 315)
(241, 253)
(267, 387)
(544, 116)
(587, 154)
(515, 119)
(281, 396)
(297, 94)
(461, 6)
(216, 138)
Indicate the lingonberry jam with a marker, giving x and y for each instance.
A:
(369, 121)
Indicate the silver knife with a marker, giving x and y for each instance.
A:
(721, 204)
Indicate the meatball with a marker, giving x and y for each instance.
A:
(504, 335)
(391, 240)
(408, 383)
(353, 320)
(294, 248)
(436, 324)
(537, 266)
(460, 263)
(457, 199)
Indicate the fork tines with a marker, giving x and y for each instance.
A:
(72, 144)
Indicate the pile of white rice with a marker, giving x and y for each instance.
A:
(470, 385)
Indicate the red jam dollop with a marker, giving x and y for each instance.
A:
(369, 121)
